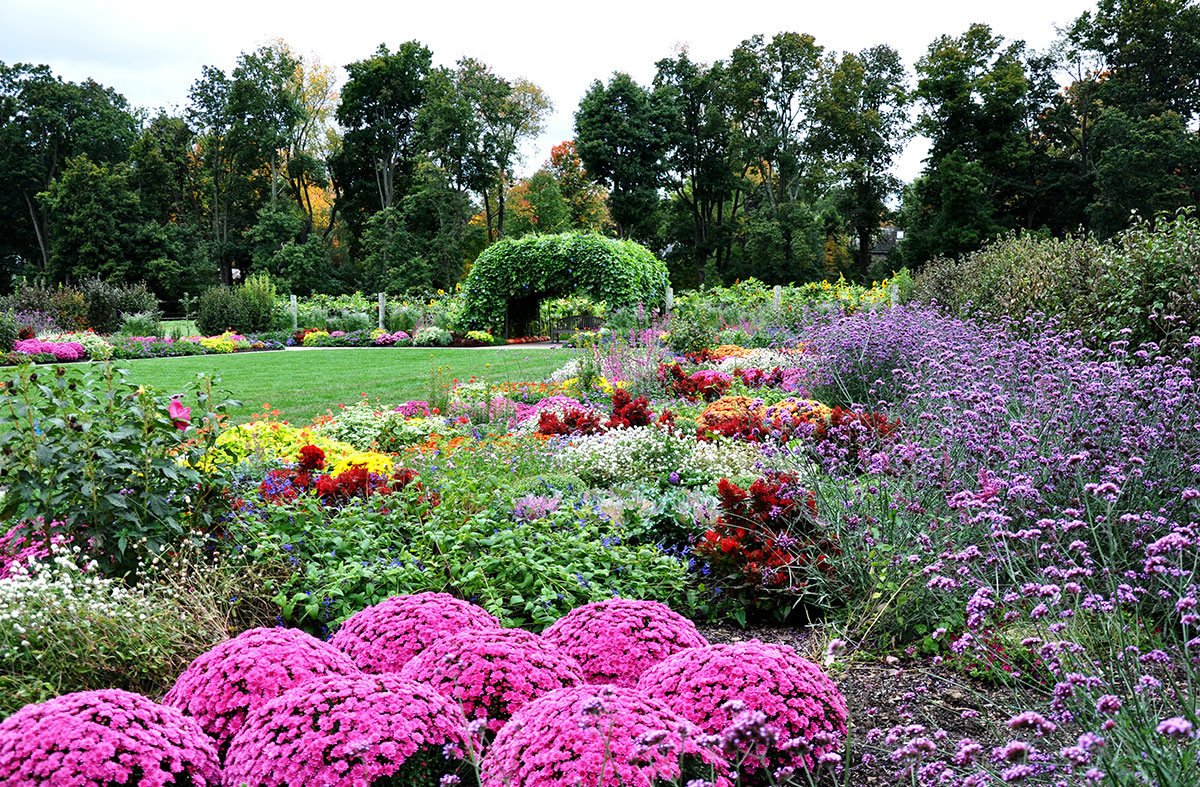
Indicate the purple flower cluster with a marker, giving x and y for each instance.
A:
(615, 641)
(104, 738)
(557, 404)
(221, 687)
(350, 730)
(383, 637)
(388, 339)
(63, 351)
(593, 735)
(717, 686)
(494, 672)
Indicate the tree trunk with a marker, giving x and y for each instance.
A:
(487, 213)
(864, 254)
(43, 243)
(500, 211)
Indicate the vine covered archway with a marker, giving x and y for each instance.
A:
(511, 277)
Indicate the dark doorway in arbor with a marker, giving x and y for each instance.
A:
(523, 317)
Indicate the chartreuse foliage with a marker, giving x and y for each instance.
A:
(622, 273)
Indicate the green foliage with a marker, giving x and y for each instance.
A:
(220, 309)
(257, 295)
(141, 324)
(621, 273)
(107, 303)
(432, 336)
(8, 331)
(1113, 290)
(694, 329)
(526, 573)
(106, 460)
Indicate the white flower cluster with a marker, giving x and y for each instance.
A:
(646, 452)
(52, 602)
(757, 359)
(565, 372)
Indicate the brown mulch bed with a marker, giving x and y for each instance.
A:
(893, 693)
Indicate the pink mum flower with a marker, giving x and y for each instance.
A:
(615, 641)
(102, 738)
(383, 637)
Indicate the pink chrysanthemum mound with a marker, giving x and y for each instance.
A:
(102, 738)
(493, 673)
(562, 738)
(615, 641)
(223, 685)
(798, 700)
(384, 637)
(350, 731)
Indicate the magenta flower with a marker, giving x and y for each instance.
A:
(181, 416)
(221, 687)
(339, 730)
(719, 688)
(571, 736)
(493, 672)
(103, 738)
(615, 641)
(383, 637)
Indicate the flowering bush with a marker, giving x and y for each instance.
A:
(25, 543)
(710, 685)
(706, 384)
(103, 738)
(311, 337)
(493, 672)
(592, 736)
(357, 730)
(63, 351)
(221, 687)
(383, 637)
(573, 421)
(650, 452)
(615, 641)
(390, 339)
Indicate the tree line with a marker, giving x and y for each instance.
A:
(773, 162)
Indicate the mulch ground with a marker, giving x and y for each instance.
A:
(885, 695)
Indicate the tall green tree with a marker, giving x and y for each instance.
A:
(45, 122)
(621, 137)
(93, 218)
(861, 119)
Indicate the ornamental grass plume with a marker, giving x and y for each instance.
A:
(221, 687)
(104, 738)
(494, 672)
(383, 637)
(600, 735)
(351, 730)
(719, 687)
(615, 641)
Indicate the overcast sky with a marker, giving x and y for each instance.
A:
(151, 51)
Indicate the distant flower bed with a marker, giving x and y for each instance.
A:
(85, 347)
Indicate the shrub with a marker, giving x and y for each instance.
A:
(70, 309)
(797, 698)
(493, 673)
(221, 687)
(108, 303)
(9, 331)
(220, 309)
(383, 637)
(141, 324)
(615, 641)
(357, 730)
(107, 459)
(593, 735)
(621, 273)
(62, 351)
(102, 738)
(431, 336)
(257, 296)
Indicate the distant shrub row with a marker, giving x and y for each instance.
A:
(92, 303)
(1143, 285)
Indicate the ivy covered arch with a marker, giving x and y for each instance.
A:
(510, 277)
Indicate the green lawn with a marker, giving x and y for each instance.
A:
(306, 383)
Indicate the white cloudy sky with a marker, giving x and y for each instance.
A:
(152, 50)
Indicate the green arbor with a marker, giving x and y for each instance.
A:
(510, 277)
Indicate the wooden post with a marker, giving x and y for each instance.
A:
(778, 296)
(894, 293)
(295, 315)
(382, 308)
(670, 299)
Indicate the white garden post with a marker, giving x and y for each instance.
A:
(382, 308)
(670, 299)
(778, 296)
(295, 315)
